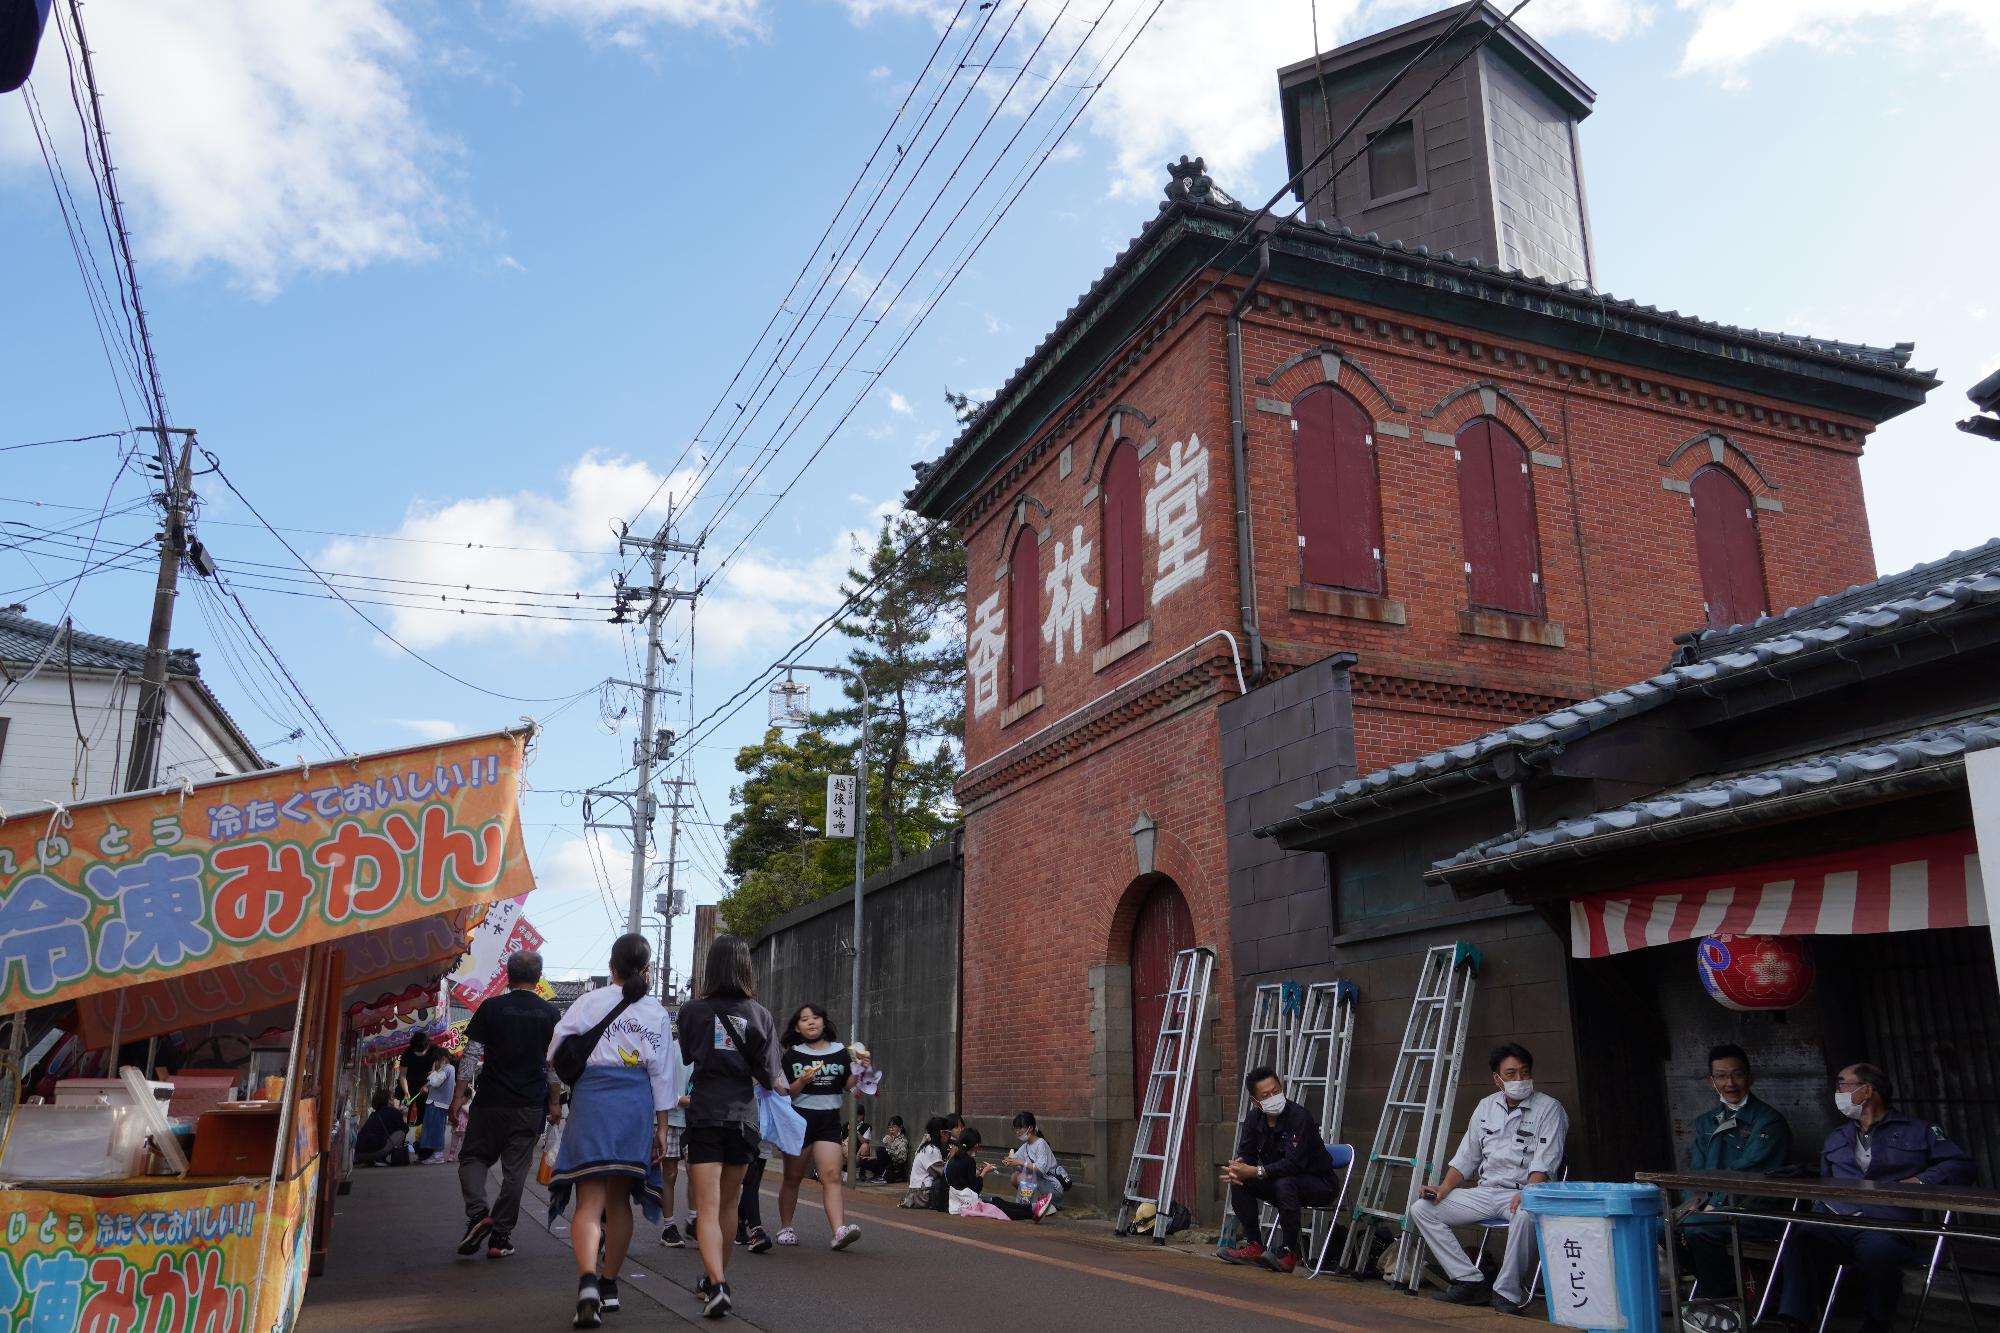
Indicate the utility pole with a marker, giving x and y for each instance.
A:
(651, 746)
(860, 859)
(673, 862)
(142, 764)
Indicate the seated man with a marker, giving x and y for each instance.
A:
(1516, 1138)
(1281, 1160)
(1876, 1143)
(382, 1133)
(1743, 1133)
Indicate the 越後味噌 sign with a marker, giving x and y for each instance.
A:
(116, 892)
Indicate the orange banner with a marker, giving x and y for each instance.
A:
(73, 1263)
(125, 891)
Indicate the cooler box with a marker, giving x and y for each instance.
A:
(1599, 1245)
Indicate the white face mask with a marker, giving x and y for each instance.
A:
(1273, 1104)
(1518, 1089)
(1735, 1106)
(1844, 1103)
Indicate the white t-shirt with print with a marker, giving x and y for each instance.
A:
(637, 1039)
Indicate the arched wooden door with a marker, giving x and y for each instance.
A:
(1164, 927)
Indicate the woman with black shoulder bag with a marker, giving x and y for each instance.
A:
(731, 1043)
(611, 1050)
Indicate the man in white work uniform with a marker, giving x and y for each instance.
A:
(1516, 1138)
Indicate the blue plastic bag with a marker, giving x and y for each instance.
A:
(779, 1123)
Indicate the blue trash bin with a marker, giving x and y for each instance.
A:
(1582, 1228)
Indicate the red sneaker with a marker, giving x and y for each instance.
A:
(1249, 1252)
(1279, 1261)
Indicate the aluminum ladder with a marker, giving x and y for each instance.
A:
(1170, 1082)
(1412, 1139)
(1270, 1038)
(1316, 1077)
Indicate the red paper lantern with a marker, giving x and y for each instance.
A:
(1747, 972)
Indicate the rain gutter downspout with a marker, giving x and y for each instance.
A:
(1246, 569)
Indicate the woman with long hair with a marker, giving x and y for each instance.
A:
(819, 1070)
(616, 1133)
(731, 1043)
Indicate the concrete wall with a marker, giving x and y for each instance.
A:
(910, 970)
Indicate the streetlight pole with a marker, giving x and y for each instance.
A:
(860, 860)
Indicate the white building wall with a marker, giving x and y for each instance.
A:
(42, 760)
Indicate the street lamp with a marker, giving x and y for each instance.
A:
(793, 711)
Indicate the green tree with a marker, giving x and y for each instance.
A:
(908, 645)
(905, 622)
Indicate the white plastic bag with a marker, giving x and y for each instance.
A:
(551, 1145)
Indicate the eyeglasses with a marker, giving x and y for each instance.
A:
(1848, 1084)
(1730, 1077)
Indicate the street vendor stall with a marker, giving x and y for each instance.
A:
(291, 894)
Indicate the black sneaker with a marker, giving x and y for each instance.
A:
(715, 1303)
(607, 1294)
(588, 1301)
(499, 1248)
(475, 1234)
(671, 1237)
(760, 1240)
(742, 1233)
(1466, 1293)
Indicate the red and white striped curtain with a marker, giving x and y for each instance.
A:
(1924, 883)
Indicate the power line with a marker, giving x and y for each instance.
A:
(368, 620)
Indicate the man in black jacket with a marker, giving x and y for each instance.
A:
(1280, 1160)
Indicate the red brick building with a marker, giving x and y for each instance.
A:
(1497, 492)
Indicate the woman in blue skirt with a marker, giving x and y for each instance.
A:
(616, 1134)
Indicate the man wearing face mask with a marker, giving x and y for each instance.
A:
(1281, 1160)
(1741, 1133)
(1875, 1143)
(1516, 1138)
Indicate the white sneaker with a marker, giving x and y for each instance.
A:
(845, 1237)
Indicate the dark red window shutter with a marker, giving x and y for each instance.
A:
(1024, 615)
(1496, 507)
(1340, 513)
(1122, 542)
(1726, 547)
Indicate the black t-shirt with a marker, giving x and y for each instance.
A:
(961, 1172)
(824, 1092)
(417, 1068)
(515, 1027)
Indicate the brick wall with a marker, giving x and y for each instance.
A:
(1056, 780)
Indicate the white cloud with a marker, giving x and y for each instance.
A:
(900, 405)
(268, 140)
(763, 602)
(1729, 33)
(430, 728)
(879, 72)
(508, 261)
(597, 490)
(614, 18)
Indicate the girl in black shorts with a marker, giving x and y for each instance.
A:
(731, 1043)
(819, 1070)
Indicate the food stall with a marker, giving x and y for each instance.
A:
(274, 902)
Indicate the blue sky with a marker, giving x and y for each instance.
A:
(475, 274)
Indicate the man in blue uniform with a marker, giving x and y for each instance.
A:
(1876, 1143)
(1741, 1133)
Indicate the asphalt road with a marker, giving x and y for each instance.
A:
(392, 1267)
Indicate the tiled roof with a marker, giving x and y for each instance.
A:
(1874, 609)
(1827, 773)
(25, 640)
(1912, 582)
(1499, 285)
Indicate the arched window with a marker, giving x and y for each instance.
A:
(1496, 512)
(1340, 513)
(1123, 542)
(1024, 615)
(1725, 544)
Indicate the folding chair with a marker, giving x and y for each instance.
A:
(1323, 1219)
(1840, 1271)
(1493, 1224)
